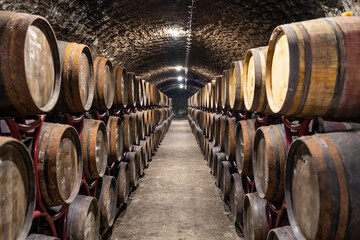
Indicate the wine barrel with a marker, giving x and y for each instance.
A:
(149, 145)
(130, 158)
(220, 157)
(40, 237)
(325, 205)
(255, 221)
(130, 88)
(83, 219)
(77, 83)
(140, 154)
(152, 94)
(236, 199)
(281, 233)
(227, 171)
(148, 94)
(225, 104)
(212, 159)
(322, 68)
(218, 92)
(141, 125)
(115, 136)
(254, 80)
(145, 157)
(107, 196)
(18, 185)
(29, 65)
(138, 91)
(94, 145)
(208, 97)
(223, 137)
(60, 164)
(230, 132)
(143, 93)
(211, 126)
(321, 126)
(213, 94)
(121, 93)
(236, 94)
(127, 133)
(217, 129)
(146, 122)
(123, 183)
(245, 133)
(104, 84)
(134, 132)
(269, 158)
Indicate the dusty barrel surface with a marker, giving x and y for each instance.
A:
(94, 145)
(123, 183)
(104, 84)
(313, 68)
(40, 237)
(60, 164)
(138, 97)
(130, 88)
(245, 133)
(230, 133)
(220, 158)
(329, 162)
(121, 93)
(115, 134)
(127, 136)
(236, 197)
(145, 157)
(281, 233)
(140, 153)
(107, 200)
(29, 65)
(77, 85)
(227, 170)
(134, 131)
(18, 182)
(130, 158)
(83, 219)
(255, 222)
(254, 80)
(148, 93)
(236, 93)
(269, 159)
(141, 125)
(223, 137)
(212, 159)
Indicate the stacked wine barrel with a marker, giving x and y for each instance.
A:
(280, 185)
(91, 128)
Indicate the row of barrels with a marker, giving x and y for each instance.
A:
(39, 74)
(317, 176)
(308, 69)
(63, 157)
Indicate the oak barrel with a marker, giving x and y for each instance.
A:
(269, 158)
(130, 88)
(212, 159)
(254, 80)
(115, 135)
(227, 170)
(138, 97)
(236, 94)
(104, 84)
(83, 221)
(130, 158)
(245, 133)
(255, 221)
(18, 186)
(134, 129)
(218, 92)
(107, 200)
(123, 183)
(29, 65)
(236, 198)
(230, 133)
(140, 154)
(121, 93)
(141, 125)
(60, 164)
(220, 158)
(322, 186)
(313, 68)
(225, 104)
(223, 137)
(94, 145)
(77, 83)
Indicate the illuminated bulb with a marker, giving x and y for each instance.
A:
(178, 68)
(181, 85)
(173, 32)
(179, 78)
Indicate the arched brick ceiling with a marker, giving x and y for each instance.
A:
(134, 33)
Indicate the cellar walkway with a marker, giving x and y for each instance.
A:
(177, 198)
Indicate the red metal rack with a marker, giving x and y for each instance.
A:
(33, 130)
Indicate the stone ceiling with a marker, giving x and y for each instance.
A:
(137, 34)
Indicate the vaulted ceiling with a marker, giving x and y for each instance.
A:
(138, 34)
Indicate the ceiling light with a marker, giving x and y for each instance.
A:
(181, 85)
(178, 68)
(179, 78)
(174, 32)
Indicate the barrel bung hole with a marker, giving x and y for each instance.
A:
(39, 66)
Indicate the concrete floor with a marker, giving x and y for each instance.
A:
(177, 197)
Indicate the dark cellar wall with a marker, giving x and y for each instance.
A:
(180, 97)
